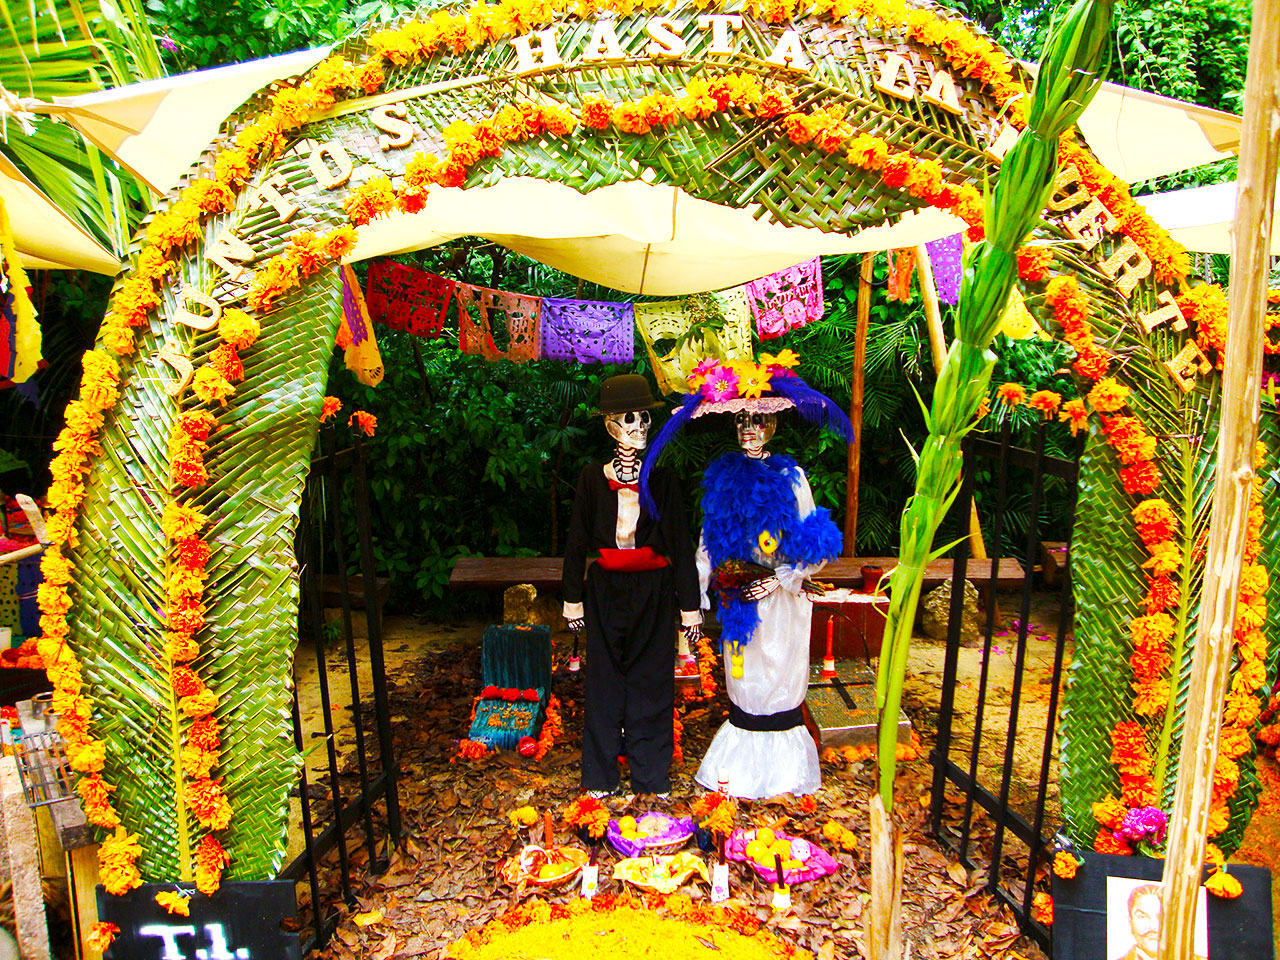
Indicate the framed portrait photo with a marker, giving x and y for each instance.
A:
(1112, 910)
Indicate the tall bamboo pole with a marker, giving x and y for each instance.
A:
(854, 476)
(1238, 432)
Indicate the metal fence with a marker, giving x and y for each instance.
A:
(349, 812)
(1015, 844)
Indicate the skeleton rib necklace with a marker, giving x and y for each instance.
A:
(626, 464)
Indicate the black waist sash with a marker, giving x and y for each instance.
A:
(766, 722)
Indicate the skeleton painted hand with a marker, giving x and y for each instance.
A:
(576, 624)
(692, 634)
(759, 589)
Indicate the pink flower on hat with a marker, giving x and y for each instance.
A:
(721, 384)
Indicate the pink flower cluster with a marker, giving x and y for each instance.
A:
(1144, 824)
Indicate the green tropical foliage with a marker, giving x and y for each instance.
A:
(53, 49)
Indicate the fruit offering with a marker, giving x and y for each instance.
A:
(542, 867)
(652, 832)
(664, 874)
(802, 860)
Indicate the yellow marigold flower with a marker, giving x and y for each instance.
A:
(1108, 396)
(238, 328)
(1223, 884)
(1214, 856)
(211, 386)
(1166, 558)
(181, 523)
(1151, 697)
(174, 903)
(199, 705)
(523, 817)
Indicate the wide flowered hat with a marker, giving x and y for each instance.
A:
(768, 385)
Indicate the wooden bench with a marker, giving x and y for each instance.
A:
(498, 573)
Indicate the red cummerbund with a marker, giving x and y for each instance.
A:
(632, 561)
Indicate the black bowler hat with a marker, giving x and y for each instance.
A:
(625, 393)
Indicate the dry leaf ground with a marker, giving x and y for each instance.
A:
(441, 882)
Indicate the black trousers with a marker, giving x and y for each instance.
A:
(630, 622)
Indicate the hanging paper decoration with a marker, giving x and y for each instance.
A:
(679, 334)
(361, 354)
(787, 299)
(1017, 323)
(902, 267)
(497, 325)
(588, 331)
(19, 332)
(946, 256)
(407, 299)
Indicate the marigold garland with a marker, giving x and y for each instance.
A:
(589, 814)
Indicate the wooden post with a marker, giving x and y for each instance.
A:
(855, 406)
(938, 346)
(1211, 662)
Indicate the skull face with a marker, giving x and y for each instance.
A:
(631, 429)
(754, 430)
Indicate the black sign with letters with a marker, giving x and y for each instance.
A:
(242, 921)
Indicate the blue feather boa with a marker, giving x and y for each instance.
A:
(744, 497)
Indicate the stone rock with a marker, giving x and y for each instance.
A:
(936, 611)
(521, 604)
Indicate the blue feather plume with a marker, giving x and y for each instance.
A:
(674, 424)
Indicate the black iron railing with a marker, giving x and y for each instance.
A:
(335, 802)
(1017, 845)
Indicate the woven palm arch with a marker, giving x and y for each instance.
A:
(258, 458)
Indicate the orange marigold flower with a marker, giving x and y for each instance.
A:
(1074, 413)
(329, 407)
(1213, 855)
(1092, 363)
(205, 734)
(1156, 520)
(1151, 697)
(186, 683)
(1166, 558)
(100, 936)
(1162, 594)
(210, 859)
(1226, 777)
(87, 757)
(1129, 749)
(211, 386)
(369, 76)
(198, 764)
(1107, 842)
(211, 196)
(1046, 401)
(1152, 631)
(1234, 743)
(1137, 791)
(597, 112)
(180, 647)
(116, 858)
(1108, 395)
(227, 362)
(200, 704)
(373, 198)
(364, 421)
(1042, 908)
(1219, 817)
(1223, 884)
(174, 903)
(1012, 394)
(1065, 864)
(1034, 263)
(209, 803)
(339, 241)
(808, 803)
(1141, 477)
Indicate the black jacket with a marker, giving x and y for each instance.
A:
(595, 522)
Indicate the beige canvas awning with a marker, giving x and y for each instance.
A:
(45, 236)
(638, 237)
(158, 128)
(1139, 135)
(1200, 218)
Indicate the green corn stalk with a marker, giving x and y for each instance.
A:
(1074, 63)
